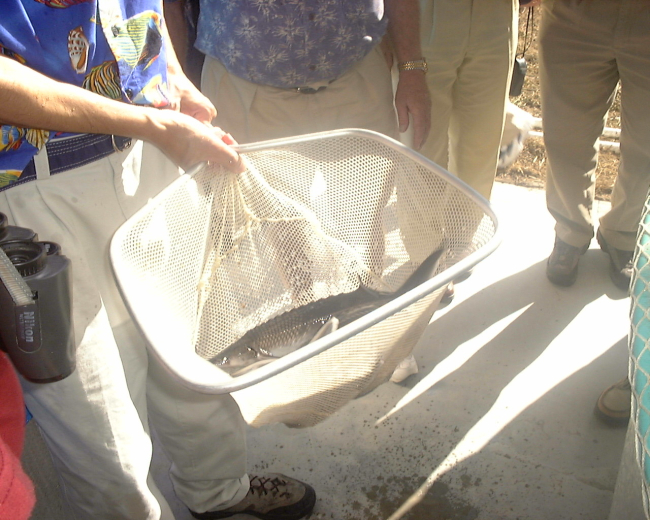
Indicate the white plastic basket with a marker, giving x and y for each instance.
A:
(215, 255)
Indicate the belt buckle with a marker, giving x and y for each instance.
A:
(309, 90)
(120, 143)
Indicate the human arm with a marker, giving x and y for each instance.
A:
(412, 96)
(30, 99)
(185, 96)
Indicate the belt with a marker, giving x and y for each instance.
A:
(309, 90)
(66, 154)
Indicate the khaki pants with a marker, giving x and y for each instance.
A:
(95, 421)
(470, 47)
(586, 48)
(361, 98)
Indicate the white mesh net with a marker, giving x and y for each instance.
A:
(216, 255)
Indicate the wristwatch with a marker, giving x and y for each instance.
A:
(420, 64)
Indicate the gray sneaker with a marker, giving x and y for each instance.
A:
(270, 497)
(562, 265)
(620, 263)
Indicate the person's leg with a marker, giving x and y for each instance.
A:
(445, 35)
(207, 450)
(480, 94)
(444, 32)
(632, 43)
(204, 437)
(618, 227)
(578, 78)
(96, 434)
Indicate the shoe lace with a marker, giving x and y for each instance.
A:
(263, 486)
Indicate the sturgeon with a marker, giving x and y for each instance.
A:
(298, 327)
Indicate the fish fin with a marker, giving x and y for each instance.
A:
(328, 327)
(424, 272)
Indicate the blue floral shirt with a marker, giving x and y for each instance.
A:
(289, 43)
(112, 47)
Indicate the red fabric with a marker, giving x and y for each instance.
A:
(16, 490)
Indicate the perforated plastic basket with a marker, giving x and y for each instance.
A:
(215, 255)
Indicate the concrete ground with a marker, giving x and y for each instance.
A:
(499, 422)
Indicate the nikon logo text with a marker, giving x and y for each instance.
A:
(28, 322)
(28, 329)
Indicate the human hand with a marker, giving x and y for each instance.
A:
(187, 141)
(186, 98)
(412, 99)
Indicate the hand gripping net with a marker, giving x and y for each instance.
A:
(217, 254)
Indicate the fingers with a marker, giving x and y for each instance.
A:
(174, 104)
(228, 139)
(195, 104)
(204, 112)
(237, 166)
(223, 135)
(412, 100)
(419, 120)
(402, 117)
(421, 127)
(421, 123)
(235, 163)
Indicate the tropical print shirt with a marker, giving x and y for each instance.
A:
(111, 47)
(289, 43)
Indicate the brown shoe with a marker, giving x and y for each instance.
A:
(620, 263)
(562, 265)
(615, 403)
(270, 497)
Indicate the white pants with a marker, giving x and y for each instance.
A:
(360, 98)
(95, 422)
(470, 47)
(586, 48)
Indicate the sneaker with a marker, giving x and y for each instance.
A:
(407, 367)
(270, 497)
(620, 263)
(562, 265)
(615, 403)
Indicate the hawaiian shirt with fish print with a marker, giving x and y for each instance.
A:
(112, 47)
(289, 43)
